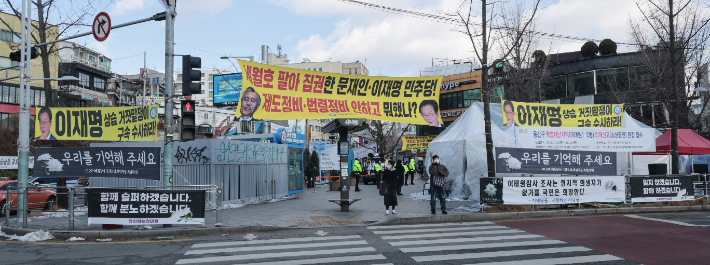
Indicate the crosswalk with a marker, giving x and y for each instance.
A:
(484, 243)
(292, 251)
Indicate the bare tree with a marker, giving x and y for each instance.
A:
(676, 35)
(486, 43)
(386, 135)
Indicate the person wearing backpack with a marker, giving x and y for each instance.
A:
(438, 174)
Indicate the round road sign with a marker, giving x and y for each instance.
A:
(101, 27)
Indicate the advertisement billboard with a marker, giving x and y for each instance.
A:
(227, 89)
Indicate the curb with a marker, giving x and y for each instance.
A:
(129, 234)
(508, 216)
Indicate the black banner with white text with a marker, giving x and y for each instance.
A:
(660, 189)
(145, 207)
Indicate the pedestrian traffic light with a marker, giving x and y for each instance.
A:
(189, 74)
(187, 123)
(16, 56)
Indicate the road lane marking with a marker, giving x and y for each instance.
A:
(482, 245)
(663, 220)
(276, 255)
(461, 240)
(428, 225)
(505, 253)
(554, 261)
(270, 241)
(448, 229)
(276, 247)
(473, 233)
(324, 260)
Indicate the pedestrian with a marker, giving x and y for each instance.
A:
(400, 170)
(438, 174)
(390, 179)
(412, 169)
(378, 173)
(357, 170)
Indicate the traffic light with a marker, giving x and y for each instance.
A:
(189, 74)
(334, 137)
(187, 123)
(16, 56)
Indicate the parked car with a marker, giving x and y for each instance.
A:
(52, 182)
(37, 197)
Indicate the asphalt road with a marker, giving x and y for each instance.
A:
(648, 239)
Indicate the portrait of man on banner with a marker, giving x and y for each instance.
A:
(430, 112)
(509, 110)
(248, 104)
(45, 124)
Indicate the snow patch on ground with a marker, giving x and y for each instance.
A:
(104, 240)
(62, 213)
(256, 201)
(76, 239)
(36, 236)
(470, 208)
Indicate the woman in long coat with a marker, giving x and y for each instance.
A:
(391, 179)
(399, 169)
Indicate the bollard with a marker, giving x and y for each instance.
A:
(218, 213)
(71, 208)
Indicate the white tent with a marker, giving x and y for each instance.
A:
(462, 148)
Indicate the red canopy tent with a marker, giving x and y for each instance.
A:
(689, 143)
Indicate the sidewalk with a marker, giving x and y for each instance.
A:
(312, 209)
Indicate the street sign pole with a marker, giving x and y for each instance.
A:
(169, 89)
(23, 143)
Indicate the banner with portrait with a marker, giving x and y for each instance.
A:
(523, 114)
(138, 123)
(281, 93)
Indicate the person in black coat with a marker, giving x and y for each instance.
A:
(399, 170)
(391, 179)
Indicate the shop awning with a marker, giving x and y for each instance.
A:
(689, 143)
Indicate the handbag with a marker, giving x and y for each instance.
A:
(438, 181)
(384, 188)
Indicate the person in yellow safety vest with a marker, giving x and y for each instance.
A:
(412, 169)
(378, 174)
(356, 171)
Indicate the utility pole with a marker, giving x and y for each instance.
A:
(486, 96)
(169, 89)
(23, 143)
(145, 75)
(674, 128)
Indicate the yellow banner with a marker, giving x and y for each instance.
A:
(103, 123)
(280, 93)
(524, 114)
(416, 142)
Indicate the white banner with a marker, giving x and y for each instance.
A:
(10, 162)
(587, 139)
(275, 128)
(563, 190)
(362, 151)
(328, 155)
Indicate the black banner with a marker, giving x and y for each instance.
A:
(546, 161)
(660, 189)
(117, 162)
(492, 190)
(140, 207)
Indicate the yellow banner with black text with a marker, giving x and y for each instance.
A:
(416, 142)
(280, 93)
(103, 123)
(523, 114)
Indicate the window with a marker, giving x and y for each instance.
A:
(5, 94)
(92, 59)
(32, 97)
(317, 128)
(202, 75)
(9, 37)
(76, 53)
(4, 119)
(350, 71)
(320, 69)
(211, 86)
(84, 80)
(581, 84)
(355, 70)
(207, 116)
(13, 97)
(156, 80)
(179, 76)
(612, 80)
(554, 87)
(211, 94)
(99, 84)
(470, 96)
(178, 87)
(5, 62)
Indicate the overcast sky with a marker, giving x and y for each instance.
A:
(320, 30)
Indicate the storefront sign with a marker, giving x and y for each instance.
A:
(105, 123)
(146, 207)
(416, 142)
(281, 93)
(563, 190)
(448, 86)
(11, 162)
(523, 114)
(661, 189)
(491, 190)
(543, 161)
(588, 139)
(117, 162)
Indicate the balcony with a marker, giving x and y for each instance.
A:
(85, 61)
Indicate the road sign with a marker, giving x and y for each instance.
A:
(101, 27)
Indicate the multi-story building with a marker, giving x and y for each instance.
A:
(123, 91)
(93, 70)
(9, 89)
